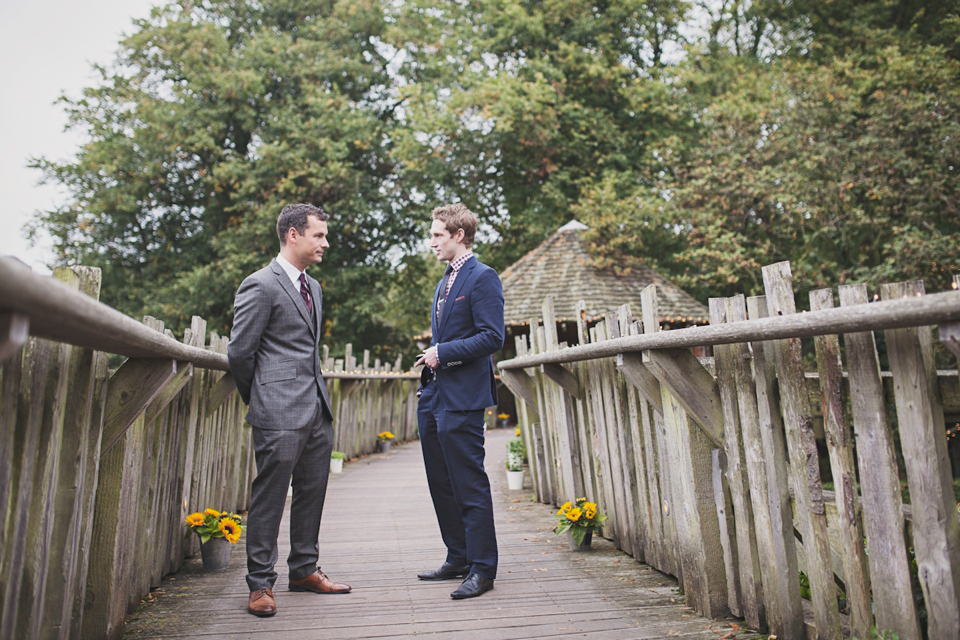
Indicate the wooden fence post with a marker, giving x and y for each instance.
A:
(748, 562)
(840, 449)
(563, 385)
(879, 482)
(688, 450)
(936, 528)
(767, 468)
(804, 460)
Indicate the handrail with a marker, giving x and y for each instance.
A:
(936, 308)
(57, 312)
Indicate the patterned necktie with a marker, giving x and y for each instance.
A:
(305, 293)
(442, 298)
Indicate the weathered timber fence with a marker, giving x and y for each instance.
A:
(709, 469)
(99, 468)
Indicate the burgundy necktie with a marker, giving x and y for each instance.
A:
(304, 293)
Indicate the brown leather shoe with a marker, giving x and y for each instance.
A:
(318, 582)
(262, 603)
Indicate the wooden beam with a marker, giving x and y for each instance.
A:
(520, 384)
(563, 377)
(14, 331)
(220, 392)
(170, 391)
(937, 308)
(636, 371)
(131, 389)
(61, 313)
(692, 386)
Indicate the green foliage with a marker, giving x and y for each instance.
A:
(849, 172)
(216, 114)
(529, 105)
(516, 453)
(338, 455)
(823, 134)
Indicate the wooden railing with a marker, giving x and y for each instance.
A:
(710, 470)
(99, 468)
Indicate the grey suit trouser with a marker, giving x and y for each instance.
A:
(303, 456)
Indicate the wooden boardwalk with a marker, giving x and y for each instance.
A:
(379, 530)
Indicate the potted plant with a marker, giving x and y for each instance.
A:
(336, 461)
(516, 452)
(217, 531)
(384, 438)
(503, 417)
(579, 520)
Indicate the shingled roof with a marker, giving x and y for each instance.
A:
(561, 266)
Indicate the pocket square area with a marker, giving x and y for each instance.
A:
(460, 298)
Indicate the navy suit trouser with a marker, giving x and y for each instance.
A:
(453, 453)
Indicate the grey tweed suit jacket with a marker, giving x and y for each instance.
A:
(274, 352)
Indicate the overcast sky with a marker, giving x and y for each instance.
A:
(47, 48)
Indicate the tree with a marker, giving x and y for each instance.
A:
(215, 114)
(852, 174)
(520, 108)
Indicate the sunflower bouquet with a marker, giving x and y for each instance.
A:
(578, 518)
(214, 524)
(385, 436)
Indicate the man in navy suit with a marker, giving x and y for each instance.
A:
(457, 385)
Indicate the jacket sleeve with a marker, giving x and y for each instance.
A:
(250, 316)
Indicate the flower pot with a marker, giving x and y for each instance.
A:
(384, 446)
(515, 480)
(585, 546)
(336, 465)
(215, 554)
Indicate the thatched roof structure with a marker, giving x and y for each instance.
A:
(561, 267)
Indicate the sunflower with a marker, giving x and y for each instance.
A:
(230, 529)
(574, 514)
(212, 512)
(590, 510)
(195, 519)
(566, 507)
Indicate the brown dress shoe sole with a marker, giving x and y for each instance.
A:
(324, 593)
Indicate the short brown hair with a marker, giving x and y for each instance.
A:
(294, 216)
(456, 217)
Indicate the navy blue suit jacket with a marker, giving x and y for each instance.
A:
(468, 333)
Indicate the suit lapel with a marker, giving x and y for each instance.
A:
(434, 324)
(295, 298)
(317, 305)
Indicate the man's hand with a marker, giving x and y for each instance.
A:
(429, 358)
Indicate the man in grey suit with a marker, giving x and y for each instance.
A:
(275, 359)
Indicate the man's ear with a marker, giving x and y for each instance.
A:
(292, 234)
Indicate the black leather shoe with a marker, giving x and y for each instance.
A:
(446, 572)
(475, 585)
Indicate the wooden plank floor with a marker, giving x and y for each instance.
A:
(379, 531)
